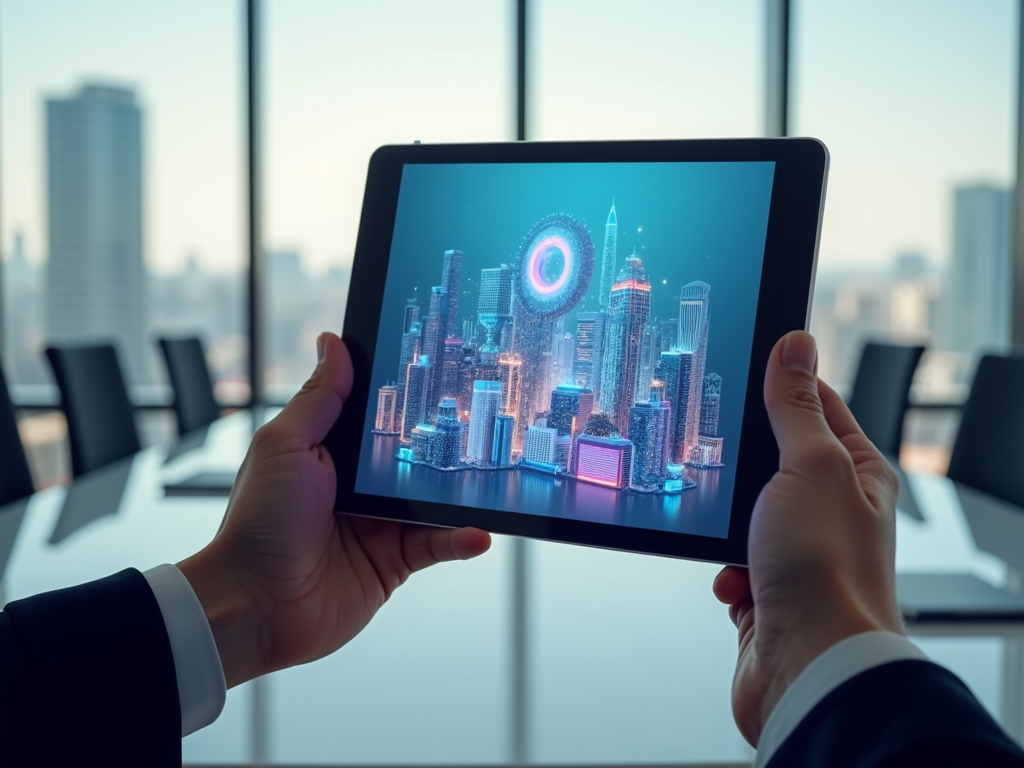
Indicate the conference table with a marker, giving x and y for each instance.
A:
(534, 653)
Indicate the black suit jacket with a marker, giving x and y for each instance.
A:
(907, 713)
(87, 678)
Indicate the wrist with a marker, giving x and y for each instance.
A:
(232, 613)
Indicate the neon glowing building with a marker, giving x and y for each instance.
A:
(606, 461)
(387, 410)
(510, 371)
(675, 369)
(451, 366)
(445, 444)
(451, 273)
(494, 305)
(649, 433)
(414, 410)
(539, 447)
(412, 340)
(693, 337)
(482, 415)
(710, 404)
(611, 237)
(586, 363)
(628, 314)
(420, 437)
(501, 445)
(571, 406)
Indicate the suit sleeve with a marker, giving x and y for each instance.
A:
(87, 678)
(898, 714)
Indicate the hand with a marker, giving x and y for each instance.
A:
(286, 580)
(822, 539)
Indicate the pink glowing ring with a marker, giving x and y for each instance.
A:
(537, 259)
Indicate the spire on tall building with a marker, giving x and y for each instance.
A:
(611, 237)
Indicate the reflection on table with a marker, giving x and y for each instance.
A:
(626, 658)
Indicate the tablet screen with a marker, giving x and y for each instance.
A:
(569, 340)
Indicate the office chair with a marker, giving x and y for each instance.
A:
(101, 419)
(194, 404)
(15, 478)
(988, 453)
(881, 393)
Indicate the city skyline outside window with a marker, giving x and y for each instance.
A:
(919, 116)
(407, 71)
(122, 184)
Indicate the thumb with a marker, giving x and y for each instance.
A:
(792, 398)
(314, 408)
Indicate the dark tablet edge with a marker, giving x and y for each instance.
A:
(804, 164)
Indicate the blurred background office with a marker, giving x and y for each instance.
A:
(197, 167)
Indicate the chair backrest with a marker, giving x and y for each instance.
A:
(15, 478)
(194, 403)
(881, 392)
(101, 419)
(988, 453)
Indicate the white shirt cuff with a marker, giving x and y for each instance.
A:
(841, 662)
(202, 689)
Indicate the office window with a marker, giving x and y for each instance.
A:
(341, 80)
(600, 69)
(122, 184)
(916, 102)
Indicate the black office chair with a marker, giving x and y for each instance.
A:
(988, 453)
(881, 393)
(15, 478)
(94, 398)
(194, 404)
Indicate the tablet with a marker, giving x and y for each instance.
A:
(568, 341)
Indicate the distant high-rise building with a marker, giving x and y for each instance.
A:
(412, 314)
(611, 236)
(412, 341)
(606, 461)
(628, 314)
(95, 275)
(494, 306)
(387, 410)
(501, 445)
(485, 409)
(510, 369)
(445, 449)
(451, 273)
(451, 368)
(649, 358)
(414, 409)
(420, 436)
(658, 388)
(710, 404)
(649, 433)
(977, 304)
(675, 370)
(571, 406)
(539, 446)
(694, 316)
(586, 365)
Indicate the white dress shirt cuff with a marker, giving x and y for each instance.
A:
(202, 689)
(841, 662)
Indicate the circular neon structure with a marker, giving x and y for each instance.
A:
(554, 266)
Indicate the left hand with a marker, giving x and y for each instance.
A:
(286, 580)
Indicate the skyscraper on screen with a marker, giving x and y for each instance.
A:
(693, 337)
(485, 409)
(586, 364)
(606, 461)
(608, 267)
(494, 306)
(649, 433)
(387, 410)
(501, 446)
(445, 449)
(571, 406)
(414, 410)
(628, 315)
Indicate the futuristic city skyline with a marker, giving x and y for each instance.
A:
(613, 397)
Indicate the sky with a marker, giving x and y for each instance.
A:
(912, 97)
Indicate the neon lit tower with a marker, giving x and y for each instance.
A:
(693, 337)
(485, 409)
(629, 313)
(648, 431)
(451, 274)
(387, 410)
(611, 237)
(414, 410)
(586, 363)
(494, 307)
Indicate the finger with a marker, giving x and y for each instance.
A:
(792, 399)
(314, 409)
(423, 546)
(877, 476)
(737, 611)
(732, 584)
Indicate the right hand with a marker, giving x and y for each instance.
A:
(822, 539)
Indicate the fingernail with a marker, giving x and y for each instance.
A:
(321, 348)
(799, 351)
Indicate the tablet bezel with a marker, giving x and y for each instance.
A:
(784, 300)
